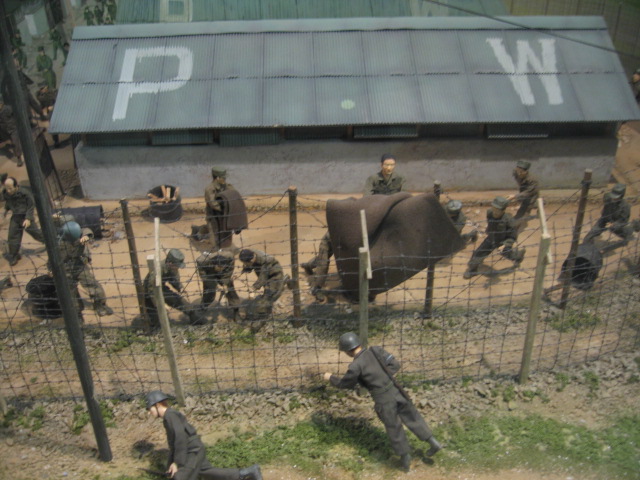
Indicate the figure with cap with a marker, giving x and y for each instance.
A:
(501, 232)
(44, 65)
(19, 201)
(386, 181)
(318, 267)
(187, 454)
(216, 270)
(171, 290)
(271, 278)
(459, 219)
(225, 211)
(528, 189)
(375, 369)
(614, 217)
(76, 258)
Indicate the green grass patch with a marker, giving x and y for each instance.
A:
(573, 320)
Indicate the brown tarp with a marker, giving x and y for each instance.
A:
(406, 234)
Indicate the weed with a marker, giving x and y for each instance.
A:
(573, 320)
(245, 336)
(149, 347)
(466, 380)
(593, 382)
(509, 393)
(125, 339)
(285, 338)
(81, 417)
(563, 380)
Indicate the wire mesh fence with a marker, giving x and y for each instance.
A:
(476, 327)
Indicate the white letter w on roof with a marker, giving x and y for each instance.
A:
(544, 66)
(127, 88)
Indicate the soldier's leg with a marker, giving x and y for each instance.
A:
(213, 233)
(232, 296)
(478, 255)
(524, 209)
(209, 288)
(274, 287)
(417, 424)
(35, 232)
(595, 231)
(15, 237)
(152, 312)
(325, 252)
(88, 281)
(388, 414)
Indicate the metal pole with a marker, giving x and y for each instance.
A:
(431, 269)
(534, 304)
(133, 255)
(575, 239)
(293, 239)
(67, 301)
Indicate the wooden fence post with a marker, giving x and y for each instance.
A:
(364, 272)
(293, 239)
(133, 255)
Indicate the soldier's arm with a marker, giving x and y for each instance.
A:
(368, 186)
(530, 191)
(350, 379)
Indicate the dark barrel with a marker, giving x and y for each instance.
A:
(88, 217)
(167, 212)
(587, 266)
(44, 300)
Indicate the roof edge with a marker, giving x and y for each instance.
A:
(142, 30)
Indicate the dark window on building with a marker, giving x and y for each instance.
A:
(517, 130)
(385, 131)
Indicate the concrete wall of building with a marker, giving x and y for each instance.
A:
(110, 173)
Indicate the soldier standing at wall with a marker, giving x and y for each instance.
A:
(375, 369)
(76, 258)
(385, 182)
(44, 65)
(616, 211)
(501, 232)
(528, 189)
(20, 202)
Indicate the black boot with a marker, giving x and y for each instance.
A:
(405, 462)
(251, 473)
(435, 447)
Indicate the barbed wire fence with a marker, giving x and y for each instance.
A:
(475, 328)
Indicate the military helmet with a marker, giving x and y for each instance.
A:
(453, 206)
(71, 231)
(523, 164)
(246, 255)
(618, 191)
(154, 397)
(348, 341)
(218, 172)
(500, 203)
(176, 257)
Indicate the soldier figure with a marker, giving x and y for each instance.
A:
(20, 201)
(187, 453)
(527, 188)
(616, 211)
(270, 277)
(9, 128)
(44, 65)
(89, 17)
(385, 182)
(318, 267)
(225, 211)
(76, 258)
(375, 369)
(112, 8)
(454, 210)
(18, 53)
(171, 288)
(501, 231)
(216, 269)
(56, 43)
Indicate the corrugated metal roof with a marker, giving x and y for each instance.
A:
(150, 11)
(341, 72)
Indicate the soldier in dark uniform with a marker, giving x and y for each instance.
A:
(374, 369)
(20, 202)
(9, 128)
(270, 276)
(44, 65)
(76, 258)
(171, 288)
(187, 453)
(501, 232)
(56, 43)
(385, 182)
(18, 53)
(454, 210)
(616, 211)
(214, 208)
(216, 269)
(528, 189)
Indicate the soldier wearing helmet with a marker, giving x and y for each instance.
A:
(528, 189)
(76, 258)
(501, 232)
(171, 290)
(374, 368)
(615, 213)
(19, 201)
(454, 210)
(187, 453)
